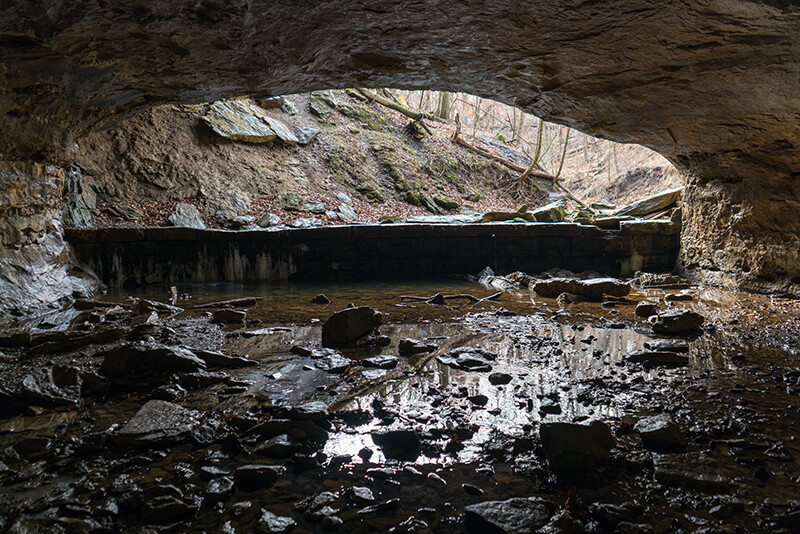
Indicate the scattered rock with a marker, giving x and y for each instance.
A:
(677, 321)
(305, 222)
(268, 220)
(570, 447)
(693, 470)
(186, 215)
(229, 316)
(257, 474)
(593, 289)
(332, 362)
(446, 203)
(134, 357)
(646, 308)
(320, 299)
(669, 345)
(42, 387)
(349, 324)
(214, 359)
(659, 432)
(401, 444)
(239, 120)
(158, 422)
(346, 213)
(309, 411)
(499, 379)
(270, 523)
(380, 362)
(651, 204)
(125, 212)
(562, 523)
(305, 135)
(323, 103)
(469, 359)
(514, 516)
(550, 213)
(278, 447)
(218, 489)
(292, 201)
(409, 347)
(658, 358)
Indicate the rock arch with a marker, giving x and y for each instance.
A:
(714, 85)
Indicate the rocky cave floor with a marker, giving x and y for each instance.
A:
(141, 417)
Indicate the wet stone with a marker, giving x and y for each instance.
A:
(646, 308)
(219, 489)
(380, 362)
(320, 299)
(227, 316)
(668, 345)
(166, 509)
(134, 357)
(549, 407)
(360, 495)
(158, 422)
(562, 523)
(216, 359)
(469, 359)
(514, 516)
(570, 447)
(345, 326)
(309, 411)
(270, 523)
(400, 444)
(690, 470)
(257, 474)
(478, 400)
(333, 363)
(278, 447)
(660, 433)
(500, 379)
(409, 347)
(42, 387)
(658, 358)
(677, 321)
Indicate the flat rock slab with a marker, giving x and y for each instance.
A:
(380, 362)
(469, 359)
(270, 523)
(691, 470)
(660, 358)
(514, 516)
(409, 347)
(216, 359)
(151, 357)
(677, 321)
(593, 289)
(238, 120)
(651, 204)
(659, 432)
(158, 422)
(570, 447)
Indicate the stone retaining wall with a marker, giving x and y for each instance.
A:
(137, 256)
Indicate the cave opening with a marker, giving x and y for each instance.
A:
(576, 385)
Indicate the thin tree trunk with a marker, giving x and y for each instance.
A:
(443, 106)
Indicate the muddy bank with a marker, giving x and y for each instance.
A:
(170, 420)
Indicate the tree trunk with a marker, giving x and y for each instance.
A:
(443, 106)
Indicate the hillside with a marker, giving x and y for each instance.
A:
(363, 150)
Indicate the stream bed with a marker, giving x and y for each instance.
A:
(118, 421)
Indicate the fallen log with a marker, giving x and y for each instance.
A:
(243, 303)
(473, 299)
(510, 164)
(413, 115)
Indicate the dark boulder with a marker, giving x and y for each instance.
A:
(345, 326)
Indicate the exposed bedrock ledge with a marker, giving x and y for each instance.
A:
(698, 81)
(130, 257)
(743, 233)
(35, 267)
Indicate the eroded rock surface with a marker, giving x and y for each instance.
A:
(707, 85)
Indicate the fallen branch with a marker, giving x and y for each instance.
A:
(510, 164)
(473, 299)
(243, 302)
(414, 115)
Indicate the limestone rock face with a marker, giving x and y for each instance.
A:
(710, 85)
(35, 265)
